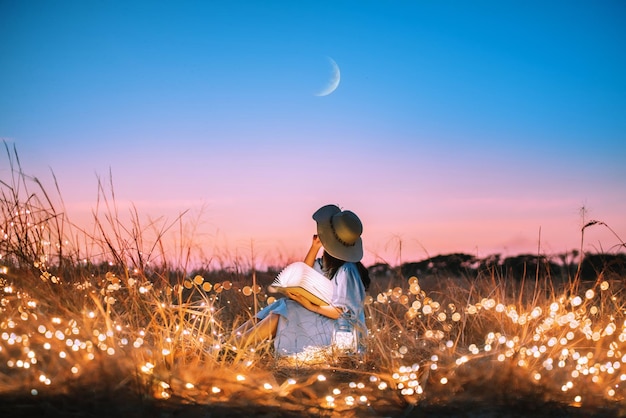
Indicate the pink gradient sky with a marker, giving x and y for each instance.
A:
(456, 127)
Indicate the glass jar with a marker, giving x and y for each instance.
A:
(344, 335)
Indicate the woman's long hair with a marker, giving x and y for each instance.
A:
(331, 264)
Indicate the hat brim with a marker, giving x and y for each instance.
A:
(353, 253)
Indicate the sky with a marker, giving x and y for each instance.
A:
(479, 127)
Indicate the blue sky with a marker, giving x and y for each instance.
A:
(457, 126)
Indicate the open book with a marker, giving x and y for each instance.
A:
(302, 279)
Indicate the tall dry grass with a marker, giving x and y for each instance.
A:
(101, 313)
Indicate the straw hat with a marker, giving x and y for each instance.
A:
(340, 232)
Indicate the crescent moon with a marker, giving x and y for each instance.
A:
(333, 83)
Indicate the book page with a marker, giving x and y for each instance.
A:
(304, 280)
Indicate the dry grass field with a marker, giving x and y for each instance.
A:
(101, 324)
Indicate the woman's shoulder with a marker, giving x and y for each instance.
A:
(348, 267)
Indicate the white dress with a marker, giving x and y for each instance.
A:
(299, 327)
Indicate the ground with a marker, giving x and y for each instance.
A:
(99, 406)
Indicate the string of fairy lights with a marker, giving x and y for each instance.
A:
(571, 339)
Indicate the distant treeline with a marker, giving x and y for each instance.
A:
(563, 267)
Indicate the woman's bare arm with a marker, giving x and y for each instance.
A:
(328, 310)
(316, 244)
